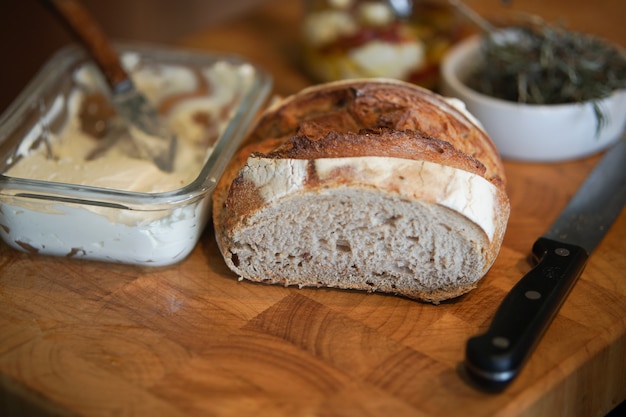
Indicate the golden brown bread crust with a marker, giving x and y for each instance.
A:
(365, 118)
(362, 118)
(360, 105)
(405, 144)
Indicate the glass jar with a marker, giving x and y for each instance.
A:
(345, 39)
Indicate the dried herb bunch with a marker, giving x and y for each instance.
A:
(547, 64)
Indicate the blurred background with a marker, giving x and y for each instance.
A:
(29, 34)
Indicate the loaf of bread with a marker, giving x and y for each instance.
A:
(373, 185)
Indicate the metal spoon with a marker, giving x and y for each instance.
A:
(150, 135)
(404, 8)
(472, 15)
(401, 8)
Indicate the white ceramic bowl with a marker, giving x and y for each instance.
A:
(543, 133)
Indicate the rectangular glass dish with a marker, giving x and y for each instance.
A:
(71, 184)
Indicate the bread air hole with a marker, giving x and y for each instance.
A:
(235, 259)
(392, 220)
(386, 220)
(401, 269)
(343, 246)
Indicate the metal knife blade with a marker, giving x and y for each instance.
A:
(495, 358)
(149, 133)
(154, 139)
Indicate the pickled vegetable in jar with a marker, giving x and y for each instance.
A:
(346, 39)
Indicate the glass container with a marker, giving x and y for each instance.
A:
(111, 205)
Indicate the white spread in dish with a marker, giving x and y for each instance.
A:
(197, 103)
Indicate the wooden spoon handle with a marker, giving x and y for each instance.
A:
(83, 26)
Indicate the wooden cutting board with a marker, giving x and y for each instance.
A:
(96, 339)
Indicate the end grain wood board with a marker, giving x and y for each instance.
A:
(95, 339)
(87, 338)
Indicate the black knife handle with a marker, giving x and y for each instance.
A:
(495, 358)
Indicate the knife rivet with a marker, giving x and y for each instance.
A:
(500, 342)
(532, 295)
(561, 252)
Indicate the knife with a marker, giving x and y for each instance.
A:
(495, 358)
(151, 136)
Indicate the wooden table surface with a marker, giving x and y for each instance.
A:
(82, 338)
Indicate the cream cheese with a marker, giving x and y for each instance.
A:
(206, 98)
(75, 231)
(117, 168)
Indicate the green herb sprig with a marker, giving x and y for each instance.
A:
(546, 64)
